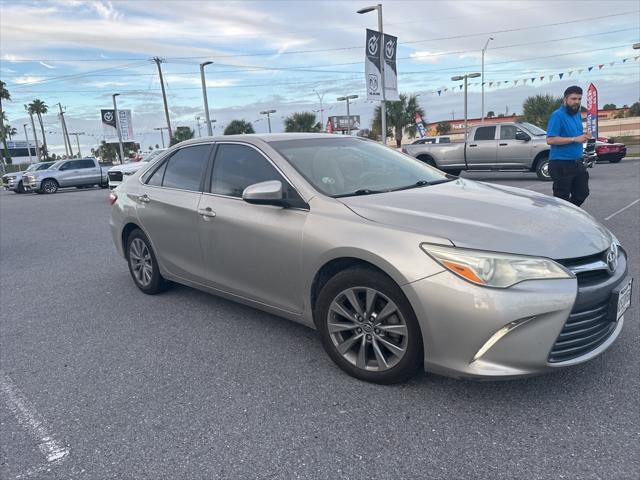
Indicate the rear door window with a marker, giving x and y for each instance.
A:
(185, 168)
(485, 133)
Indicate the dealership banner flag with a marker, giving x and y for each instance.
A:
(420, 125)
(372, 66)
(109, 125)
(592, 110)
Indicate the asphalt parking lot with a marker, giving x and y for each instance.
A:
(99, 381)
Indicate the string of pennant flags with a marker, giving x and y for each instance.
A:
(533, 79)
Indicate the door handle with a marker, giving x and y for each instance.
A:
(504, 144)
(474, 145)
(206, 213)
(144, 198)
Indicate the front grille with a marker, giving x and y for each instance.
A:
(584, 331)
(588, 270)
(115, 176)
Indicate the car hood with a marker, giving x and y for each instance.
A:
(488, 217)
(128, 167)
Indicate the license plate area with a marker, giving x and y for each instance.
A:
(620, 300)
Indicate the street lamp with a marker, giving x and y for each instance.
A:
(161, 134)
(465, 78)
(267, 113)
(198, 122)
(115, 114)
(347, 98)
(320, 97)
(204, 95)
(383, 109)
(24, 125)
(77, 141)
(484, 50)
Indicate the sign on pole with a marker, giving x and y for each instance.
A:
(109, 125)
(592, 110)
(329, 128)
(420, 125)
(344, 122)
(372, 66)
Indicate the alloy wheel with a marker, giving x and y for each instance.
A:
(141, 263)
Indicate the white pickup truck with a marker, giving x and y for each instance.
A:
(80, 173)
(119, 173)
(505, 146)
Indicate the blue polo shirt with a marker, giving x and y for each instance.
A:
(563, 124)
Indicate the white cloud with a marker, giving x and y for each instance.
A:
(47, 65)
(28, 79)
(424, 56)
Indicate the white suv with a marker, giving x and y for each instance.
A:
(118, 173)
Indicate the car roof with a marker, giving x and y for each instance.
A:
(255, 138)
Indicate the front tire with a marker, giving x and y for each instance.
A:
(143, 265)
(20, 188)
(49, 186)
(368, 327)
(542, 169)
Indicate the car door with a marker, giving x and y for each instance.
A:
(85, 173)
(511, 151)
(251, 250)
(68, 173)
(168, 210)
(481, 150)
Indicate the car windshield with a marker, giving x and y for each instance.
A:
(341, 167)
(56, 165)
(534, 130)
(33, 167)
(152, 155)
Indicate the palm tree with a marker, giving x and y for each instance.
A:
(443, 128)
(39, 108)
(4, 95)
(181, 134)
(302, 122)
(8, 131)
(238, 127)
(538, 109)
(400, 116)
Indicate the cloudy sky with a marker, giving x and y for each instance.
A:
(285, 54)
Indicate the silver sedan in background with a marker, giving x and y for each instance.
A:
(396, 264)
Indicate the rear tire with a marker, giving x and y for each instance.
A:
(49, 186)
(542, 169)
(379, 339)
(143, 265)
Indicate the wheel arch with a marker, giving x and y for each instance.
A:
(538, 158)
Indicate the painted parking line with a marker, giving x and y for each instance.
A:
(622, 209)
(54, 452)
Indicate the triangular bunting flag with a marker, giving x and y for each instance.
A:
(533, 79)
(611, 64)
(542, 78)
(490, 84)
(499, 83)
(524, 81)
(551, 77)
(600, 66)
(590, 68)
(570, 72)
(515, 82)
(560, 75)
(506, 81)
(444, 90)
(580, 71)
(458, 85)
(439, 92)
(624, 60)
(636, 58)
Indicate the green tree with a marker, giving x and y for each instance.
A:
(620, 114)
(538, 109)
(181, 134)
(4, 95)
(39, 108)
(609, 106)
(107, 152)
(366, 133)
(500, 115)
(491, 114)
(157, 146)
(400, 117)
(150, 148)
(302, 122)
(634, 110)
(7, 131)
(238, 127)
(443, 128)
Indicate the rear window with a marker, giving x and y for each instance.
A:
(485, 133)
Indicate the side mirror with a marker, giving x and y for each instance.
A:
(265, 193)
(522, 136)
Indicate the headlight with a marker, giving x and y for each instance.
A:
(490, 269)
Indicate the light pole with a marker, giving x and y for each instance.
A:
(77, 141)
(24, 125)
(204, 96)
(199, 131)
(465, 77)
(35, 134)
(211, 122)
(484, 50)
(267, 113)
(383, 109)
(320, 97)
(347, 98)
(115, 114)
(161, 134)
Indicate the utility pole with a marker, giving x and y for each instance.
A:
(26, 136)
(320, 97)
(65, 133)
(78, 141)
(466, 78)
(347, 98)
(117, 115)
(161, 135)
(482, 74)
(268, 113)
(204, 96)
(35, 135)
(164, 96)
(199, 131)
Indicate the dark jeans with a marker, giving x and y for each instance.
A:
(570, 180)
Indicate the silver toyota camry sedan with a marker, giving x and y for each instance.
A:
(396, 264)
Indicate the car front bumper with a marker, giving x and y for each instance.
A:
(489, 333)
(31, 185)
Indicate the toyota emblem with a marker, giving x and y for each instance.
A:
(612, 258)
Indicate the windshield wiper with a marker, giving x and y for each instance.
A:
(423, 183)
(362, 191)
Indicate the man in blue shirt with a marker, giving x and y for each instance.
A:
(564, 134)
